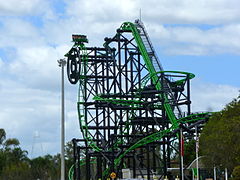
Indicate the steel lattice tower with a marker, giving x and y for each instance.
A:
(129, 107)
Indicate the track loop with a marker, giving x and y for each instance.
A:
(73, 66)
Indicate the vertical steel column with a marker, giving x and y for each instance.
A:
(131, 56)
(196, 131)
(86, 121)
(168, 154)
(114, 91)
(74, 158)
(154, 158)
(188, 96)
(126, 90)
(78, 163)
(107, 109)
(88, 166)
(96, 82)
(118, 61)
(164, 126)
(164, 156)
(113, 151)
(148, 163)
(147, 149)
(180, 153)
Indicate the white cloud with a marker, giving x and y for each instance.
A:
(161, 11)
(190, 11)
(1, 63)
(19, 33)
(37, 67)
(106, 11)
(60, 32)
(181, 40)
(23, 7)
(212, 97)
(221, 35)
(26, 110)
(30, 76)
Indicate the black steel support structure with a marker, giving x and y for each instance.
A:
(114, 120)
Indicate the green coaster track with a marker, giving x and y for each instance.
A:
(135, 103)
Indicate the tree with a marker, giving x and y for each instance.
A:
(14, 163)
(236, 173)
(19, 171)
(220, 139)
(11, 142)
(2, 135)
(2, 155)
(69, 156)
(46, 167)
(189, 152)
(13, 153)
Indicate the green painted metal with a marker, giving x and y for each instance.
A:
(128, 26)
(81, 98)
(158, 135)
(177, 82)
(135, 103)
(82, 162)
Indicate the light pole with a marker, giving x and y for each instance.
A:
(214, 173)
(62, 63)
(226, 174)
(181, 154)
(197, 147)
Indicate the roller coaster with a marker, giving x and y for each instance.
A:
(130, 110)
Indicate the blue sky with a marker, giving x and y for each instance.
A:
(202, 37)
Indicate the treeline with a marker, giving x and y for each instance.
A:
(219, 145)
(15, 164)
(220, 140)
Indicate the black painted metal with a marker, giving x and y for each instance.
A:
(117, 71)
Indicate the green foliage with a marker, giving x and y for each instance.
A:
(236, 173)
(220, 139)
(2, 135)
(189, 152)
(46, 167)
(19, 171)
(68, 156)
(13, 160)
(12, 142)
(2, 161)
(15, 165)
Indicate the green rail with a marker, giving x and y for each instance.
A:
(129, 26)
(81, 107)
(146, 140)
(134, 104)
(82, 162)
(82, 97)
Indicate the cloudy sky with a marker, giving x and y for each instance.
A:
(201, 36)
